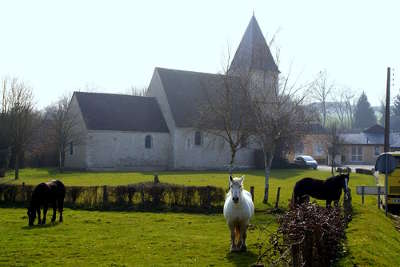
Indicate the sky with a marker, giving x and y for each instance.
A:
(109, 46)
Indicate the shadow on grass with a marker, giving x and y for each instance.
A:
(242, 258)
(36, 226)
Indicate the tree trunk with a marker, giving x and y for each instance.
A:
(16, 166)
(233, 155)
(268, 155)
(59, 160)
(62, 160)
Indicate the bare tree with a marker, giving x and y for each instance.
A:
(334, 145)
(225, 113)
(19, 107)
(63, 128)
(135, 91)
(321, 90)
(280, 117)
(343, 107)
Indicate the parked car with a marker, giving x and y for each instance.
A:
(305, 161)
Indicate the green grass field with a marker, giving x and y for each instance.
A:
(147, 239)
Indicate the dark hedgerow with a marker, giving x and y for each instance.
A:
(144, 196)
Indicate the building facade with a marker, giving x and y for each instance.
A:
(158, 131)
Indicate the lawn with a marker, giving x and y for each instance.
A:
(145, 239)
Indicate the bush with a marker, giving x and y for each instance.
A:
(365, 171)
(142, 196)
(308, 235)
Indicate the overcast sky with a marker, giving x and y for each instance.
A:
(61, 46)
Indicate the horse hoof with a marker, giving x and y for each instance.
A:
(243, 248)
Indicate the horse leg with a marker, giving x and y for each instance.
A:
(232, 229)
(60, 208)
(45, 207)
(243, 236)
(328, 203)
(336, 203)
(38, 213)
(53, 218)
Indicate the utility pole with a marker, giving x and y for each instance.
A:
(387, 135)
(387, 113)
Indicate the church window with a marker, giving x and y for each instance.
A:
(197, 138)
(148, 141)
(71, 148)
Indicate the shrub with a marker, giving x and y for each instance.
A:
(308, 235)
(143, 196)
(365, 171)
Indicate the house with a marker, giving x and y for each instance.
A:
(313, 144)
(157, 131)
(365, 146)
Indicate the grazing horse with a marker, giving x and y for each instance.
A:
(238, 209)
(53, 193)
(329, 190)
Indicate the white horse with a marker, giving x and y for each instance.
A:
(238, 209)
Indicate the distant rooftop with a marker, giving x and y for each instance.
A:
(120, 112)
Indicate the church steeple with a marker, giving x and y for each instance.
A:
(253, 52)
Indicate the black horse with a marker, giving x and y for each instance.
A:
(329, 190)
(53, 193)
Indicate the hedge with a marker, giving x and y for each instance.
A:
(141, 196)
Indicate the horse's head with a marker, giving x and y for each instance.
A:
(236, 187)
(31, 215)
(345, 177)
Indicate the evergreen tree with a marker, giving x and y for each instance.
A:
(364, 115)
(395, 117)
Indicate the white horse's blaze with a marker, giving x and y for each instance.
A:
(238, 209)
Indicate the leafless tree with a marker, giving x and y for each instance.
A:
(280, 117)
(343, 107)
(18, 104)
(321, 90)
(225, 113)
(64, 128)
(334, 145)
(135, 91)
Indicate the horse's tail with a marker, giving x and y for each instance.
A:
(237, 233)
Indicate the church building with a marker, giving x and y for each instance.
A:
(158, 131)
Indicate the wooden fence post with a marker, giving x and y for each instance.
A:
(308, 247)
(296, 255)
(277, 197)
(23, 192)
(252, 192)
(379, 197)
(105, 196)
(362, 194)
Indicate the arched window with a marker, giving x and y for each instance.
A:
(197, 138)
(148, 141)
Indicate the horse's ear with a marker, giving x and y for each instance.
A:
(242, 179)
(230, 178)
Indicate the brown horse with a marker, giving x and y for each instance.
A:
(329, 190)
(53, 193)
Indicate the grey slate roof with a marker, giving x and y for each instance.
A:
(120, 112)
(186, 91)
(370, 139)
(253, 51)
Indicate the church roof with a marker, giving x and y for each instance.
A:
(186, 91)
(120, 112)
(253, 51)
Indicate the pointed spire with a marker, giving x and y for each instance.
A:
(253, 51)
